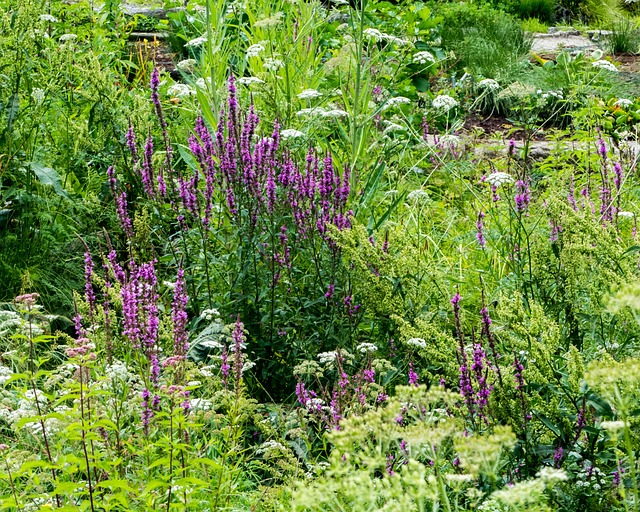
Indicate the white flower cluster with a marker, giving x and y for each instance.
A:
(68, 37)
(550, 94)
(210, 314)
(250, 80)
(551, 475)
(418, 196)
(5, 374)
(417, 342)
(612, 425)
(423, 58)
(200, 404)
(49, 18)
(254, 50)
(489, 84)
(444, 103)
(269, 22)
(375, 34)
(290, 133)
(365, 348)
(327, 357)
(592, 478)
(268, 447)
(308, 94)
(201, 83)
(321, 112)
(187, 65)
(208, 371)
(448, 139)
(498, 178)
(118, 371)
(272, 64)
(626, 215)
(392, 127)
(198, 41)
(604, 64)
(398, 100)
(9, 322)
(180, 91)
(38, 95)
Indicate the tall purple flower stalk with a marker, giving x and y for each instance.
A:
(480, 230)
(522, 197)
(413, 376)
(179, 317)
(89, 294)
(120, 199)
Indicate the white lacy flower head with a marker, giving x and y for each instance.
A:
(187, 65)
(550, 94)
(327, 357)
(398, 100)
(417, 196)
(250, 80)
(393, 127)
(623, 103)
(254, 50)
(210, 314)
(269, 22)
(49, 18)
(626, 215)
(423, 58)
(5, 374)
(365, 348)
(68, 37)
(247, 365)
(290, 133)
(272, 64)
(38, 95)
(201, 404)
(312, 112)
(448, 139)
(335, 112)
(489, 84)
(118, 371)
(417, 342)
(499, 178)
(198, 41)
(180, 91)
(604, 64)
(444, 103)
(374, 33)
(308, 94)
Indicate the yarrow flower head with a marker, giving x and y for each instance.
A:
(180, 91)
(250, 80)
(254, 50)
(187, 65)
(499, 178)
(49, 18)
(365, 348)
(291, 134)
(604, 64)
(271, 64)
(423, 58)
(417, 342)
(68, 37)
(308, 94)
(444, 103)
(198, 41)
(489, 84)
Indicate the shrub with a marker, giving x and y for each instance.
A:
(625, 37)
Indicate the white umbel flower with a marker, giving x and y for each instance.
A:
(626, 215)
(198, 41)
(272, 64)
(489, 84)
(254, 50)
(49, 18)
(38, 95)
(308, 94)
(186, 65)
(180, 91)
(417, 342)
(365, 348)
(290, 133)
(398, 100)
(444, 103)
(250, 80)
(604, 64)
(68, 37)
(423, 58)
(623, 103)
(499, 178)
(327, 357)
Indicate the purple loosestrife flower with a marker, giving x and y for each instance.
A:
(413, 376)
(602, 146)
(238, 346)
(89, 294)
(390, 461)
(480, 227)
(121, 204)
(147, 412)
(511, 147)
(302, 394)
(179, 316)
(555, 231)
(478, 368)
(130, 138)
(522, 197)
(557, 457)
(330, 290)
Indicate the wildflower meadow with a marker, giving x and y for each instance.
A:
(304, 255)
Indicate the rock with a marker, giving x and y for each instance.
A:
(562, 31)
(596, 35)
(153, 12)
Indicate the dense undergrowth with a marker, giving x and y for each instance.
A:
(288, 275)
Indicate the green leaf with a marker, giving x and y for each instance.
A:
(48, 176)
